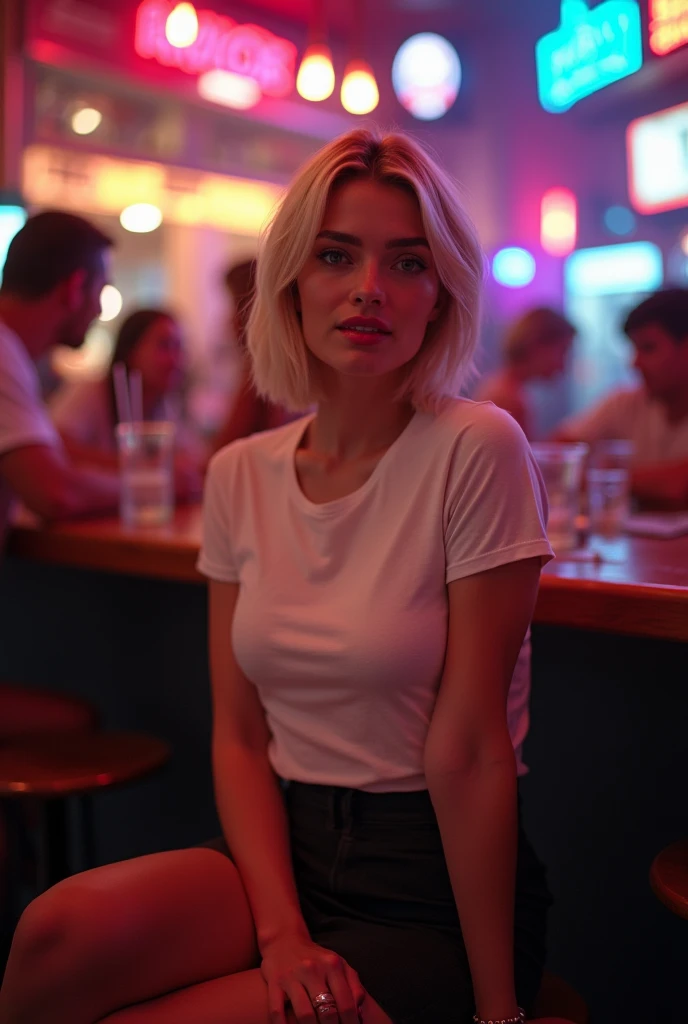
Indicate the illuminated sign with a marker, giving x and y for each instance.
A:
(96, 184)
(221, 45)
(558, 221)
(614, 269)
(589, 51)
(668, 25)
(658, 160)
(426, 75)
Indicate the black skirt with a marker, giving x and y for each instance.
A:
(374, 887)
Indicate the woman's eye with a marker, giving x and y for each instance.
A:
(410, 264)
(332, 257)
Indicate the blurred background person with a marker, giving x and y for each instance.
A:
(149, 341)
(248, 413)
(535, 348)
(55, 270)
(653, 415)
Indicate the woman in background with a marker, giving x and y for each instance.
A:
(535, 347)
(149, 341)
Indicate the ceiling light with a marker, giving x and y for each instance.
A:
(141, 218)
(86, 120)
(359, 92)
(315, 80)
(181, 27)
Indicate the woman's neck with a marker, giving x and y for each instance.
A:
(357, 420)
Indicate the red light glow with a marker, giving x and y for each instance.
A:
(221, 45)
(668, 25)
(559, 222)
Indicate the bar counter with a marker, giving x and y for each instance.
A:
(120, 617)
(635, 586)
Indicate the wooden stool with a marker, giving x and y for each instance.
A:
(50, 769)
(27, 711)
(558, 999)
(669, 877)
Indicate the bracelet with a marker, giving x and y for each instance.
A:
(521, 1019)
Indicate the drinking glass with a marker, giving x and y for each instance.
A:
(608, 480)
(146, 453)
(561, 466)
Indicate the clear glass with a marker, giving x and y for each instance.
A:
(609, 492)
(561, 466)
(146, 459)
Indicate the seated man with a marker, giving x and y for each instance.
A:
(50, 294)
(654, 416)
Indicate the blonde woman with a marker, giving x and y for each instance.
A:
(373, 570)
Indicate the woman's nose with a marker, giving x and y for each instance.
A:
(368, 287)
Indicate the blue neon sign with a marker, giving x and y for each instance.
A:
(589, 51)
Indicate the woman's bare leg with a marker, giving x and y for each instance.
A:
(239, 999)
(125, 934)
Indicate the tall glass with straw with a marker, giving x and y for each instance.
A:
(146, 457)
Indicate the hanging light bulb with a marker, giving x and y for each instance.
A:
(359, 93)
(315, 80)
(181, 27)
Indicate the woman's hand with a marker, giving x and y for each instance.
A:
(296, 971)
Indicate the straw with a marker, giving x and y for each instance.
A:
(136, 396)
(119, 376)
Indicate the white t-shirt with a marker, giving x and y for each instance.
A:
(630, 414)
(82, 411)
(341, 620)
(24, 420)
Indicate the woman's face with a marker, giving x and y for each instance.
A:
(159, 356)
(369, 288)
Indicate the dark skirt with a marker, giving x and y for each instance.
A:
(374, 887)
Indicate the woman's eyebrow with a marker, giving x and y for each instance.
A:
(393, 243)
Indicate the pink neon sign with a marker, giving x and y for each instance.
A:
(222, 45)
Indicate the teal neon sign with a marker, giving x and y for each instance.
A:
(589, 51)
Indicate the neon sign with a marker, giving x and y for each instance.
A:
(221, 45)
(589, 51)
(668, 25)
(658, 160)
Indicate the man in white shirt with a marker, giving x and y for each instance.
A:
(653, 416)
(55, 269)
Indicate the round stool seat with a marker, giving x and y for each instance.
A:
(70, 764)
(669, 877)
(28, 711)
(559, 1000)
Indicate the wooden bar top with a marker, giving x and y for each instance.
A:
(633, 585)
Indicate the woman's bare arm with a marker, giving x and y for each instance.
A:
(247, 793)
(471, 770)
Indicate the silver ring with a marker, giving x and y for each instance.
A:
(324, 1002)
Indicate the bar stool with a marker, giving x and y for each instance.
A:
(669, 877)
(27, 711)
(557, 999)
(48, 771)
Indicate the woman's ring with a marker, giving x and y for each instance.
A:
(324, 1003)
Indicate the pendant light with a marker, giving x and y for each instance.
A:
(315, 80)
(359, 92)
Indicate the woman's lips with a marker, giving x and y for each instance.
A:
(363, 336)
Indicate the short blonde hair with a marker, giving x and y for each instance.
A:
(535, 327)
(281, 366)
